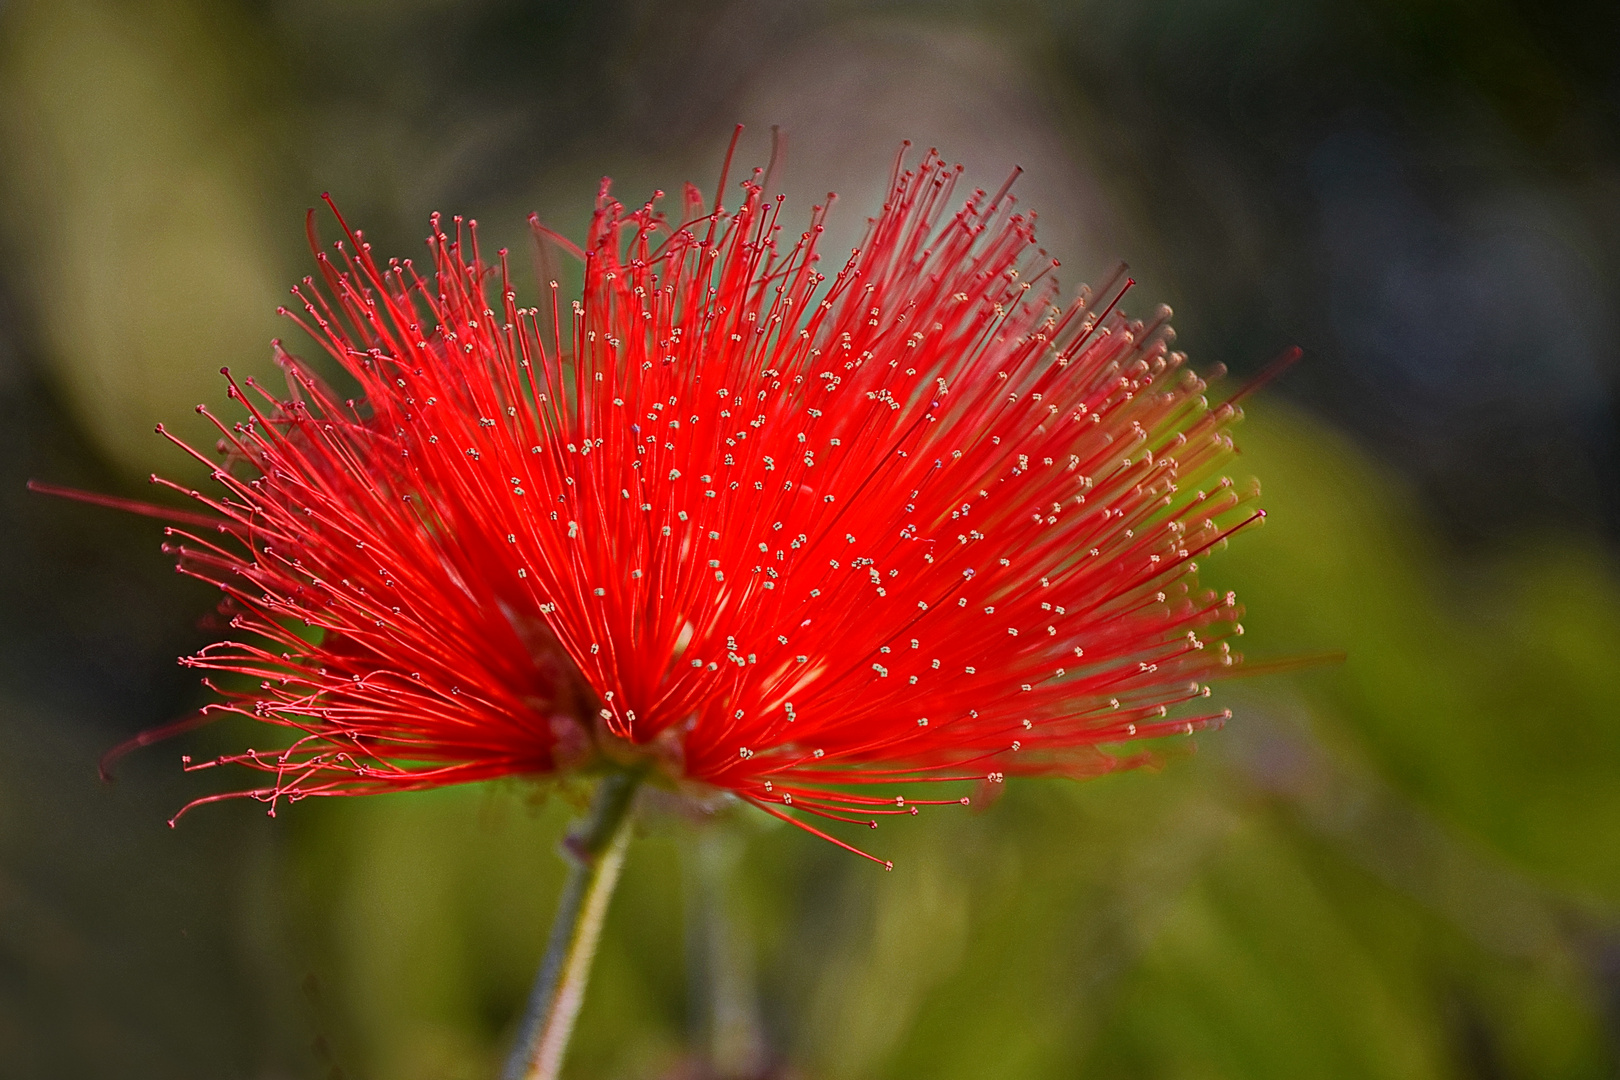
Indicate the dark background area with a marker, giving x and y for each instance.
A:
(1423, 195)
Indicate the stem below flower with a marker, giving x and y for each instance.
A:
(596, 849)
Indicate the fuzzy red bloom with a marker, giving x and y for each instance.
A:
(798, 537)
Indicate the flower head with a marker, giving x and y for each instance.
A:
(800, 535)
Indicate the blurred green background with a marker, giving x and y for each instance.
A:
(1405, 865)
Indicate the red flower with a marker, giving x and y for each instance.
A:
(795, 536)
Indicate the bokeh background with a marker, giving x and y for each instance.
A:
(1403, 865)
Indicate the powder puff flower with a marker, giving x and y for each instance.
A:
(806, 536)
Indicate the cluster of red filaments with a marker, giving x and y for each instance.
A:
(804, 538)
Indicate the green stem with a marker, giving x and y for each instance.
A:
(596, 849)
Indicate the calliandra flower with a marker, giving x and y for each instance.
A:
(804, 536)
